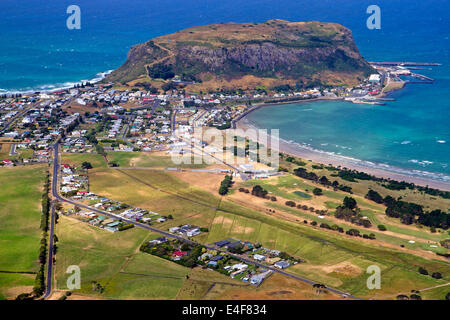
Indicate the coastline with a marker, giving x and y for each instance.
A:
(48, 88)
(422, 178)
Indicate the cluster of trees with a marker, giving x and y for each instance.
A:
(168, 86)
(349, 211)
(161, 71)
(147, 86)
(225, 185)
(295, 161)
(165, 250)
(259, 191)
(374, 196)
(435, 275)
(39, 282)
(334, 227)
(352, 175)
(409, 212)
(303, 173)
(402, 185)
(304, 207)
(350, 232)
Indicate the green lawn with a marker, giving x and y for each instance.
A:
(77, 159)
(149, 160)
(114, 261)
(20, 235)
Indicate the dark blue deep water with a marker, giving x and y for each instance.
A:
(37, 51)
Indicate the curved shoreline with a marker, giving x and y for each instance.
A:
(423, 178)
(47, 88)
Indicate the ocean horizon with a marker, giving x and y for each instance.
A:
(39, 53)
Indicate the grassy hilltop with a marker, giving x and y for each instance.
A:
(249, 54)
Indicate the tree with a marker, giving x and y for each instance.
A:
(317, 191)
(290, 203)
(350, 203)
(374, 196)
(86, 165)
(436, 275)
(259, 191)
(423, 271)
(381, 227)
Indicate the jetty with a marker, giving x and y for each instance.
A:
(422, 77)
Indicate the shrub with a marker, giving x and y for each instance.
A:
(317, 192)
(423, 271)
(290, 203)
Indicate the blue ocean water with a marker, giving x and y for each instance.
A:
(37, 52)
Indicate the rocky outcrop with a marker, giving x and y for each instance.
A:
(273, 49)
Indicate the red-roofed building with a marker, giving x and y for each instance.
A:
(8, 162)
(179, 253)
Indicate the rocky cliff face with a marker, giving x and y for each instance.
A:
(278, 49)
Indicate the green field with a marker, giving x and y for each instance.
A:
(77, 159)
(323, 250)
(148, 159)
(20, 235)
(114, 261)
(127, 159)
(157, 191)
(283, 186)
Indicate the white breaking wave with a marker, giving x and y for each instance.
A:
(57, 86)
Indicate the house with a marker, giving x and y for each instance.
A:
(275, 252)
(239, 266)
(259, 257)
(257, 279)
(272, 260)
(179, 254)
(159, 240)
(8, 163)
(233, 244)
(281, 264)
(374, 78)
(204, 256)
(217, 258)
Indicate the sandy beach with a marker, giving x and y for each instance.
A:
(422, 178)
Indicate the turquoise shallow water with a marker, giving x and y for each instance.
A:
(38, 52)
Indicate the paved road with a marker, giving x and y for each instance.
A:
(17, 116)
(164, 233)
(13, 152)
